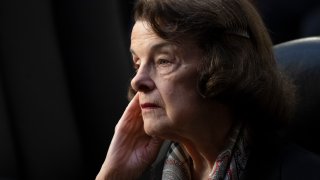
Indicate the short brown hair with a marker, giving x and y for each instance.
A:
(238, 66)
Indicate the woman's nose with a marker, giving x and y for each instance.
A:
(142, 82)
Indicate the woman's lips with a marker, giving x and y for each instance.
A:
(149, 106)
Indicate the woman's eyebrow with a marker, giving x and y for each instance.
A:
(154, 47)
(158, 46)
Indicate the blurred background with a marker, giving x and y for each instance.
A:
(64, 72)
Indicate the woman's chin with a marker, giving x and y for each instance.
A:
(151, 130)
(163, 132)
(157, 126)
(154, 130)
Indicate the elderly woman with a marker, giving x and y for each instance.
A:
(208, 98)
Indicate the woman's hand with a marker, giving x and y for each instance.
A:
(131, 150)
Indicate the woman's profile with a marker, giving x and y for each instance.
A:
(208, 101)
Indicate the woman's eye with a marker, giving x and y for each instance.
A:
(165, 65)
(164, 62)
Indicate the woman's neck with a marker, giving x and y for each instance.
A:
(205, 142)
(203, 156)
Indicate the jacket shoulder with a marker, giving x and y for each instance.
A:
(285, 162)
(298, 163)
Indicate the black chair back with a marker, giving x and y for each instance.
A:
(301, 60)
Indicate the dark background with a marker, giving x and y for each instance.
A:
(64, 73)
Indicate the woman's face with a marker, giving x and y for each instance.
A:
(166, 80)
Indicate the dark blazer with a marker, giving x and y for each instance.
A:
(268, 161)
(284, 161)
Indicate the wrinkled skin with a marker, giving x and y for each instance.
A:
(131, 150)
